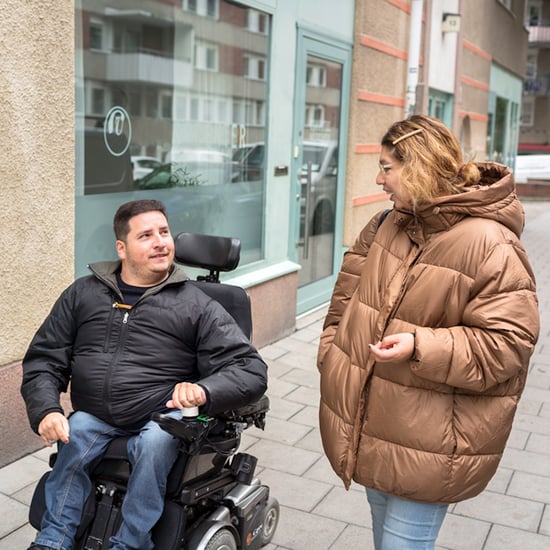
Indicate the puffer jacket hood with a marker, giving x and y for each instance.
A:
(433, 428)
(493, 198)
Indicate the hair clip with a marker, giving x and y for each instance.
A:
(405, 136)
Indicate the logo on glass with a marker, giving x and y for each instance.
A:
(117, 131)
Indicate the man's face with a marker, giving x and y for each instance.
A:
(148, 251)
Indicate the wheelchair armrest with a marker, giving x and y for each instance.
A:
(253, 413)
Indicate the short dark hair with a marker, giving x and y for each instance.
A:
(121, 221)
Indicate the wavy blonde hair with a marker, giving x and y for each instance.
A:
(433, 164)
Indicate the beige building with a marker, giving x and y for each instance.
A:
(287, 99)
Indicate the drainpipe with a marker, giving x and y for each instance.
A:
(423, 95)
(414, 56)
(457, 103)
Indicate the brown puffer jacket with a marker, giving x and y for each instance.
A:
(431, 429)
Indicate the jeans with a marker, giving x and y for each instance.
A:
(400, 524)
(152, 453)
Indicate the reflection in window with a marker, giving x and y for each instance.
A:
(206, 56)
(96, 35)
(175, 77)
(254, 67)
(202, 7)
(316, 75)
(257, 21)
(315, 116)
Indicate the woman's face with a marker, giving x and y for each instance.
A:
(389, 177)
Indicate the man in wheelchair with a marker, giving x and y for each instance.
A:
(133, 339)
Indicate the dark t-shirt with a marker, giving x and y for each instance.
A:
(131, 294)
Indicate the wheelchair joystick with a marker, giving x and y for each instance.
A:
(189, 412)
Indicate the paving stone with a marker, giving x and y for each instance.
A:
(283, 458)
(531, 423)
(538, 443)
(295, 491)
(545, 523)
(307, 415)
(502, 537)
(283, 409)
(518, 438)
(529, 486)
(462, 533)
(279, 388)
(312, 441)
(19, 539)
(273, 351)
(348, 506)
(529, 406)
(303, 377)
(352, 537)
(526, 461)
(502, 510)
(21, 473)
(307, 396)
(298, 530)
(538, 392)
(276, 369)
(500, 481)
(282, 431)
(14, 515)
(321, 470)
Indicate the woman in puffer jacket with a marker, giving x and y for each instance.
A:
(427, 340)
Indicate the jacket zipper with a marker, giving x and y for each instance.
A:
(120, 345)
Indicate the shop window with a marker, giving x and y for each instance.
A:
(146, 94)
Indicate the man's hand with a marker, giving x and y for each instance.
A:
(54, 427)
(394, 348)
(187, 395)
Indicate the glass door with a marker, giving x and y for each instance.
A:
(319, 166)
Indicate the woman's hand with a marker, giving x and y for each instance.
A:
(394, 348)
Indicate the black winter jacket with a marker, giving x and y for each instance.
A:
(123, 364)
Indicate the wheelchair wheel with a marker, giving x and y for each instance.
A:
(222, 540)
(271, 519)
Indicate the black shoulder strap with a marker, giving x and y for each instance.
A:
(383, 217)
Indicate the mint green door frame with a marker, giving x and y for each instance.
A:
(311, 45)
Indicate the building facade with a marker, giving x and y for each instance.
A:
(259, 119)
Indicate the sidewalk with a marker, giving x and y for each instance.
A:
(316, 512)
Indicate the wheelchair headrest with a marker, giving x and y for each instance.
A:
(207, 251)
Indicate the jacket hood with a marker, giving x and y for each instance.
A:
(493, 198)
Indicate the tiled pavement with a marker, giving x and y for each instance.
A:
(316, 512)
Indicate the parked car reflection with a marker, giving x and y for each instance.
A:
(323, 156)
(187, 174)
(143, 165)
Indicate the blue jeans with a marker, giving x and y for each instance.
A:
(152, 453)
(400, 524)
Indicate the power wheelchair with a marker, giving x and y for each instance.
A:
(213, 501)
